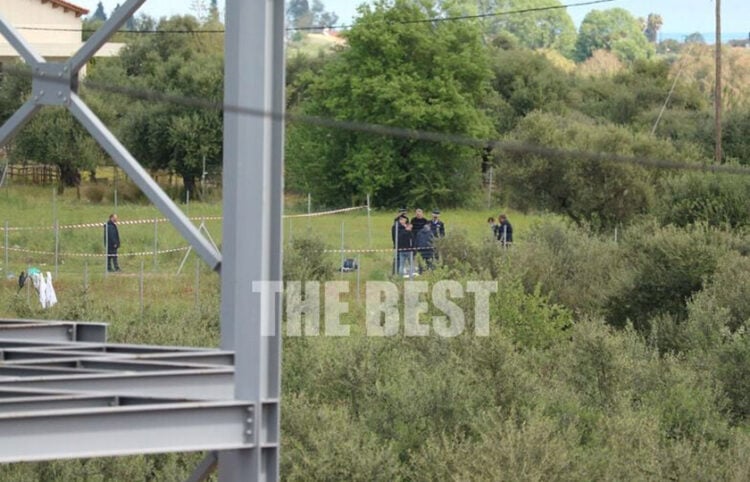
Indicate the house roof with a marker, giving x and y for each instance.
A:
(67, 6)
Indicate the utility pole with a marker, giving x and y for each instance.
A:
(717, 94)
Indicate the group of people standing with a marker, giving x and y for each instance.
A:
(415, 236)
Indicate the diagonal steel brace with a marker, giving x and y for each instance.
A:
(56, 84)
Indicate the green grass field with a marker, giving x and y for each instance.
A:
(78, 276)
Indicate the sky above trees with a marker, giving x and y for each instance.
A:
(680, 16)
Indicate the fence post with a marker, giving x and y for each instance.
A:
(369, 224)
(106, 249)
(309, 211)
(6, 247)
(141, 287)
(57, 245)
(85, 283)
(396, 267)
(358, 268)
(115, 179)
(197, 282)
(156, 241)
(341, 266)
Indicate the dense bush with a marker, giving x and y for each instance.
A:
(570, 264)
(665, 267)
(713, 199)
(305, 259)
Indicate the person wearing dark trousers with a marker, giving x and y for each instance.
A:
(399, 241)
(424, 245)
(405, 247)
(438, 230)
(112, 240)
(504, 231)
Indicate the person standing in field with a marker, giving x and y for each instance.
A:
(112, 240)
(437, 226)
(424, 245)
(504, 231)
(418, 222)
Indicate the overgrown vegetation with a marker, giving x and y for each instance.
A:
(618, 345)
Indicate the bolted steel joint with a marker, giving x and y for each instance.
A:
(52, 84)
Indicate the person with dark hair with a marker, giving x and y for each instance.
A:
(401, 212)
(112, 241)
(418, 221)
(491, 224)
(504, 231)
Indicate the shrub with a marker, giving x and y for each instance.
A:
(305, 259)
(569, 264)
(712, 199)
(666, 266)
(94, 193)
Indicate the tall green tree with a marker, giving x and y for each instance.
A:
(169, 135)
(653, 25)
(546, 28)
(99, 13)
(615, 30)
(590, 191)
(52, 136)
(399, 70)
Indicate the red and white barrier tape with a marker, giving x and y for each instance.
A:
(164, 220)
(381, 250)
(95, 255)
(324, 213)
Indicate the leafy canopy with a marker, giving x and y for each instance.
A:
(399, 70)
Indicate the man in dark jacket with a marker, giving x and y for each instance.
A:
(418, 222)
(504, 231)
(112, 240)
(437, 226)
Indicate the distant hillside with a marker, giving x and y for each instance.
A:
(707, 36)
(313, 43)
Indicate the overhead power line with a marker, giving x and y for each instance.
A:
(466, 17)
(399, 132)
(345, 26)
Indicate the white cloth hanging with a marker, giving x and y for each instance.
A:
(50, 297)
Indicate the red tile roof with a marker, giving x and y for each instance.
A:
(68, 6)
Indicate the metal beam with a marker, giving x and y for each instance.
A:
(143, 180)
(205, 384)
(53, 331)
(102, 432)
(116, 20)
(252, 238)
(18, 120)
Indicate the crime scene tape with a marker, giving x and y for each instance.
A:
(163, 220)
(95, 255)
(380, 250)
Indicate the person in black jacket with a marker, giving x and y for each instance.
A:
(405, 247)
(112, 240)
(418, 222)
(504, 231)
